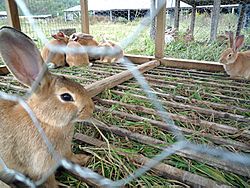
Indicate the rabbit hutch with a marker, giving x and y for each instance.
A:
(159, 120)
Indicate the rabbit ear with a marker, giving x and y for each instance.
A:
(231, 38)
(238, 42)
(59, 35)
(20, 54)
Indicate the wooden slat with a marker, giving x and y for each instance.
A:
(84, 16)
(12, 12)
(4, 70)
(162, 169)
(160, 31)
(112, 81)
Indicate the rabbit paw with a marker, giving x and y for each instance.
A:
(50, 183)
(80, 159)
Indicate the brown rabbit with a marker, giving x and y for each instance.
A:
(86, 40)
(188, 36)
(76, 59)
(57, 59)
(57, 103)
(118, 52)
(235, 63)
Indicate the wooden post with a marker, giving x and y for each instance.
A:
(160, 29)
(241, 18)
(193, 16)
(152, 11)
(84, 16)
(177, 14)
(215, 19)
(12, 13)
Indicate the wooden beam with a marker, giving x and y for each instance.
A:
(139, 59)
(192, 64)
(193, 16)
(241, 18)
(12, 14)
(84, 16)
(215, 19)
(179, 63)
(4, 70)
(171, 62)
(112, 81)
(177, 14)
(160, 30)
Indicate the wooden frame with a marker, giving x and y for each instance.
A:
(160, 31)
(170, 62)
(241, 18)
(179, 63)
(177, 14)
(12, 14)
(193, 16)
(84, 16)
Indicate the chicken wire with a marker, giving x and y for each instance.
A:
(181, 142)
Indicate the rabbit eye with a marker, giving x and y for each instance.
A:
(66, 97)
(229, 55)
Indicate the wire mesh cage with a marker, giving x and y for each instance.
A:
(160, 117)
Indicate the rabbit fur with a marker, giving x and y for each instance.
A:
(57, 103)
(235, 63)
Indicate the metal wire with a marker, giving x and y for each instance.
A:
(11, 176)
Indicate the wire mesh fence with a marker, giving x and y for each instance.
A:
(116, 21)
(165, 127)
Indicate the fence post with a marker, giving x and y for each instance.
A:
(215, 19)
(241, 18)
(193, 15)
(12, 14)
(160, 30)
(152, 11)
(84, 16)
(177, 14)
